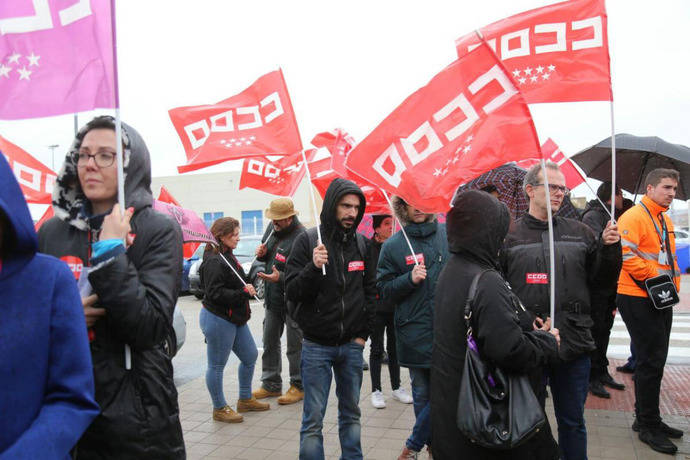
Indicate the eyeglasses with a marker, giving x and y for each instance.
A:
(102, 159)
(553, 188)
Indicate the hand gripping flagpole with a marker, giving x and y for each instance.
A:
(402, 229)
(118, 148)
(313, 203)
(552, 258)
(244, 283)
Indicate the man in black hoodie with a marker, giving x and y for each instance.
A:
(603, 295)
(335, 312)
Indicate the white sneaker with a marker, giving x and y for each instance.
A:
(402, 395)
(377, 400)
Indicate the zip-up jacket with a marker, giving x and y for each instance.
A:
(138, 288)
(382, 305)
(338, 307)
(278, 247)
(582, 262)
(641, 247)
(224, 293)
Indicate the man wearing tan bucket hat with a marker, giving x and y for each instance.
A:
(274, 251)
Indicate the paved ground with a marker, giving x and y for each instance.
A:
(275, 434)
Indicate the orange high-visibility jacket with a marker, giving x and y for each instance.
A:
(641, 246)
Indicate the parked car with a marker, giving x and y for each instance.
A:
(176, 339)
(186, 265)
(245, 255)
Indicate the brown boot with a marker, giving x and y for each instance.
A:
(246, 405)
(292, 396)
(262, 393)
(227, 415)
(408, 454)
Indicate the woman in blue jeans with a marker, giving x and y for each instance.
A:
(223, 321)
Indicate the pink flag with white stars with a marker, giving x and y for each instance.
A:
(56, 57)
(469, 119)
(557, 53)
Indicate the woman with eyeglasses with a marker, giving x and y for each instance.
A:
(128, 263)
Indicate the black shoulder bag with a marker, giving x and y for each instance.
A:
(496, 410)
(661, 289)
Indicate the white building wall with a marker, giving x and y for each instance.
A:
(219, 192)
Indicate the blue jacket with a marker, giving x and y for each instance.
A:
(46, 377)
(414, 303)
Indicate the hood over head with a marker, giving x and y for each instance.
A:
(338, 189)
(68, 197)
(476, 225)
(19, 242)
(400, 210)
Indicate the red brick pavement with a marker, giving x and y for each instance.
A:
(674, 398)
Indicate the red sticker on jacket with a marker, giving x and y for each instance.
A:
(537, 278)
(356, 266)
(75, 264)
(280, 257)
(409, 260)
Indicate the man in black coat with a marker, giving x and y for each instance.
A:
(603, 296)
(582, 261)
(274, 251)
(336, 313)
(133, 262)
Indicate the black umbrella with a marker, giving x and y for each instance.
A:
(635, 158)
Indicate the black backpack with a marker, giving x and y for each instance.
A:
(293, 308)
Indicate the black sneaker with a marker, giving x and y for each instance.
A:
(607, 380)
(658, 441)
(669, 431)
(365, 365)
(625, 369)
(597, 389)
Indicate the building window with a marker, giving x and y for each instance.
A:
(252, 222)
(211, 217)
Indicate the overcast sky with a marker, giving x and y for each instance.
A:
(349, 64)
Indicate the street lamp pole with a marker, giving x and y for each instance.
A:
(52, 154)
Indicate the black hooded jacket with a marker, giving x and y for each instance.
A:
(338, 307)
(582, 262)
(476, 226)
(224, 293)
(138, 288)
(278, 247)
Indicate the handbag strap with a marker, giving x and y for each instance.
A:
(469, 303)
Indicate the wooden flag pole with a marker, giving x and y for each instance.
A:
(313, 203)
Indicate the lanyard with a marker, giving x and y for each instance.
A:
(660, 233)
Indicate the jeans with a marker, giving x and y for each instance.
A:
(319, 363)
(650, 331)
(271, 360)
(222, 336)
(569, 383)
(383, 322)
(420, 380)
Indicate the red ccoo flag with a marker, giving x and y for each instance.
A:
(257, 121)
(573, 178)
(469, 119)
(339, 144)
(35, 179)
(281, 177)
(557, 53)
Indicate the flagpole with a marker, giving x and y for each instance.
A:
(235, 272)
(313, 203)
(552, 258)
(402, 229)
(118, 147)
(613, 162)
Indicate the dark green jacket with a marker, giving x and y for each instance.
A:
(278, 247)
(414, 303)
